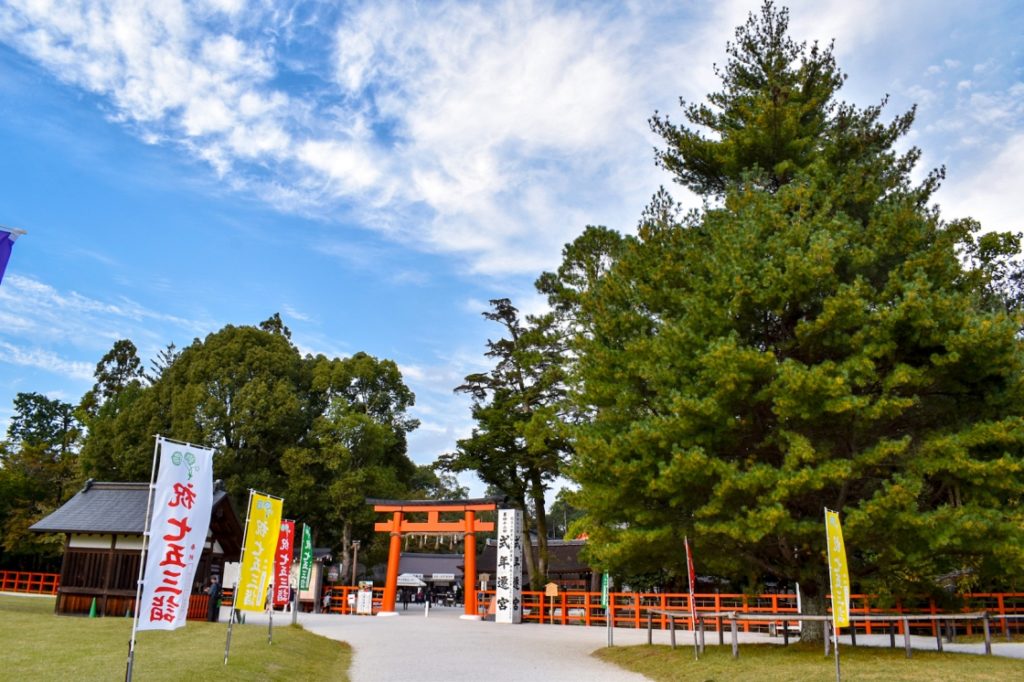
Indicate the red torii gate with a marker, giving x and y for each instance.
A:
(399, 525)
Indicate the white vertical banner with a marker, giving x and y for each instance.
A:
(182, 499)
(508, 581)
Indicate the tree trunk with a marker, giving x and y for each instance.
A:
(812, 603)
(346, 552)
(528, 556)
(537, 493)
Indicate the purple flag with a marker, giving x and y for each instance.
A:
(7, 237)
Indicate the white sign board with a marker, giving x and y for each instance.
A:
(364, 598)
(508, 580)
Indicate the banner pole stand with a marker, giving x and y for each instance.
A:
(234, 593)
(691, 579)
(270, 611)
(835, 641)
(231, 621)
(142, 564)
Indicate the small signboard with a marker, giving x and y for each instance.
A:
(332, 573)
(364, 600)
(604, 590)
(551, 590)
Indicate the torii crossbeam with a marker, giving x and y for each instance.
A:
(398, 525)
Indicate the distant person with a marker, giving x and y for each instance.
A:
(405, 600)
(213, 608)
(327, 602)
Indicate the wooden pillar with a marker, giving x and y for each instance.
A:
(469, 575)
(394, 558)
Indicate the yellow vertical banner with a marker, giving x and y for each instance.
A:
(839, 575)
(257, 569)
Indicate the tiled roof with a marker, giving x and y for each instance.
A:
(104, 508)
(429, 564)
(563, 557)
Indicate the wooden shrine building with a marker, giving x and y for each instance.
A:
(103, 526)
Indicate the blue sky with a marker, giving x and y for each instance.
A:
(377, 171)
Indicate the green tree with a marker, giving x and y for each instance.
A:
(118, 369)
(356, 448)
(813, 340)
(563, 514)
(164, 359)
(323, 433)
(245, 391)
(38, 470)
(117, 443)
(585, 261)
(519, 443)
(48, 428)
(431, 484)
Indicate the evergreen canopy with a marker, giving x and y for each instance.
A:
(817, 336)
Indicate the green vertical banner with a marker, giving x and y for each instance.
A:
(305, 558)
(604, 590)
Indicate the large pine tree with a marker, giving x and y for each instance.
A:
(818, 336)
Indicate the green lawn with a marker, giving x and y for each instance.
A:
(38, 645)
(772, 663)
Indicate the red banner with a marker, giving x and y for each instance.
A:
(283, 563)
(691, 576)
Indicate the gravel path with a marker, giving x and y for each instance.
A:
(444, 648)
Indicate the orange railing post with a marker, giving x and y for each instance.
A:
(394, 557)
(469, 586)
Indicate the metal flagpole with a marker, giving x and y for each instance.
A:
(835, 607)
(142, 562)
(231, 620)
(693, 608)
(270, 611)
(295, 607)
(835, 642)
(234, 594)
(185, 442)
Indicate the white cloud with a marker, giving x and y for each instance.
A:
(493, 132)
(45, 360)
(295, 314)
(34, 316)
(992, 194)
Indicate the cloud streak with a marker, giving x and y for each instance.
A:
(35, 317)
(491, 133)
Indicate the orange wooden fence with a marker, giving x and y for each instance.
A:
(25, 581)
(343, 599)
(629, 609)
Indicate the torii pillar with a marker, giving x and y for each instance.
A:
(399, 524)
